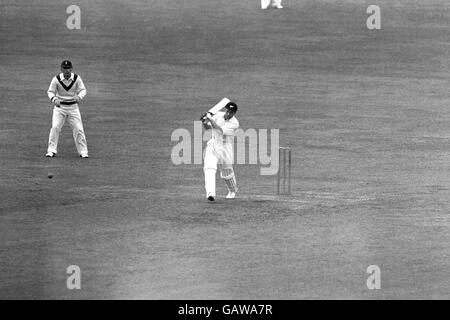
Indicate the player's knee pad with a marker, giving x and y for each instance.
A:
(227, 173)
(229, 178)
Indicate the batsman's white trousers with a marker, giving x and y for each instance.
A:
(210, 161)
(72, 113)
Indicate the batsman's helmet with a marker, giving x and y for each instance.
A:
(232, 106)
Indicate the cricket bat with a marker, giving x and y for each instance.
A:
(219, 106)
(222, 103)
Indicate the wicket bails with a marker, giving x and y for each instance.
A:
(284, 171)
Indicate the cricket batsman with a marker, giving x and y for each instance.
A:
(65, 92)
(220, 150)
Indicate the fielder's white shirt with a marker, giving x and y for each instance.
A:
(66, 90)
(223, 143)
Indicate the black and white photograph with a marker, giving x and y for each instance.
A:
(225, 150)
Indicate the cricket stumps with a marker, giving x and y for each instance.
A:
(284, 171)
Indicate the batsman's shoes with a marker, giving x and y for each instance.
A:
(230, 195)
(50, 154)
(210, 197)
(84, 156)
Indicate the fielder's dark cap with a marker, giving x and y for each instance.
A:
(66, 64)
(232, 106)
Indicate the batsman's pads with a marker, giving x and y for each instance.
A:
(230, 179)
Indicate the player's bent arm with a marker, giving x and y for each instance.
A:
(214, 125)
(81, 89)
(51, 92)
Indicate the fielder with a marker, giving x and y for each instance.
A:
(65, 91)
(275, 4)
(219, 150)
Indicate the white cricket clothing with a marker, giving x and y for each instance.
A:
(66, 90)
(219, 150)
(72, 113)
(210, 181)
(222, 144)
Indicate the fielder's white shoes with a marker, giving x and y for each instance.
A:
(231, 195)
(50, 154)
(84, 155)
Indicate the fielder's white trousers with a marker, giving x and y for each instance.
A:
(211, 159)
(73, 116)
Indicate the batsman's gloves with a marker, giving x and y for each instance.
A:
(206, 124)
(205, 116)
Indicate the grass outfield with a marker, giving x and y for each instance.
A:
(365, 112)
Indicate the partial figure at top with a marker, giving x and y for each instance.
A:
(271, 4)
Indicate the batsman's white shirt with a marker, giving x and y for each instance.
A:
(221, 146)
